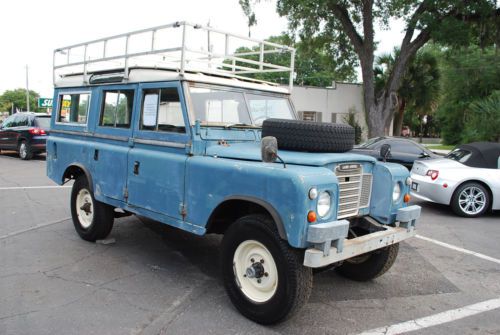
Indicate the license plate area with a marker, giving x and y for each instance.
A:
(414, 186)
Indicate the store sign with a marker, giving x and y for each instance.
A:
(45, 102)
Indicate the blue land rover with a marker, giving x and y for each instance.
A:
(188, 137)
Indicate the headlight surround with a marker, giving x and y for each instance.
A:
(324, 203)
(396, 192)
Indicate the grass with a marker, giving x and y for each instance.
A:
(439, 147)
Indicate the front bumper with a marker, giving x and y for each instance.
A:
(331, 244)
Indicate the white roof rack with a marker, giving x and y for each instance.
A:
(181, 46)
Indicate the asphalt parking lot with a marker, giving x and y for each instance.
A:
(158, 280)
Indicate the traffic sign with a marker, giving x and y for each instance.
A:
(45, 102)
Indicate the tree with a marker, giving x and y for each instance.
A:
(18, 98)
(483, 123)
(348, 26)
(419, 90)
(314, 65)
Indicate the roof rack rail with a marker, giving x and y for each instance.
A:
(171, 46)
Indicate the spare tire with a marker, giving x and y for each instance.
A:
(309, 135)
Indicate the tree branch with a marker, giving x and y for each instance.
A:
(412, 23)
(342, 15)
(368, 24)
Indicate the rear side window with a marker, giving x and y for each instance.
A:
(73, 108)
(43, 122)
(161, 111)
(116, 109)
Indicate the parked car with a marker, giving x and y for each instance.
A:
(467, 179)
(403, 151)
(199, 151)
(25, 133)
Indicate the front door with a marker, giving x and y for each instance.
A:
(156, 162)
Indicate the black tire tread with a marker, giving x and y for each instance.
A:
(310, 136)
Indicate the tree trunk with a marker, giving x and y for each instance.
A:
(398, 119)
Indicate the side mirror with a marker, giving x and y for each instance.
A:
(385, 151)
(269, 149)
(424, 155)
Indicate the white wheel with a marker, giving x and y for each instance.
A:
(84, 208)
(255, 271)
(472, 200)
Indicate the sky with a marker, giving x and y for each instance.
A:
(31, 30)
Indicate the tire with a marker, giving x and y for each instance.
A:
(470, 200)
(369, 266)
(285, 284)
(96, 220)
(309, 136)
(24, 151)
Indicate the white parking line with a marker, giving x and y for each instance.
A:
(31, 187)
(436, 319)
(462, 250)
(33, 228)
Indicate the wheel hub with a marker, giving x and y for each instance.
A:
(256, 270)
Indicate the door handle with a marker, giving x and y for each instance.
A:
(136, 167)
(96, 155)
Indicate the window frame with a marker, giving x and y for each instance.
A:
(59, 105)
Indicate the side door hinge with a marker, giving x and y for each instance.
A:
(125, 194)
(182, 210)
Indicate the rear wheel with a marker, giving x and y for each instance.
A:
(93, 220)
(371, 265)
(263, 276)
(24, 151)
(470, 200)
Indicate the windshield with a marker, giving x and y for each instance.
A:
(370, 142)
(459, 155)
(221, 106)
(43, 122)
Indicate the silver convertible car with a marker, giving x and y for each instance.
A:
(467, 179)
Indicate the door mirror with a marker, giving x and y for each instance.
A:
(269, 149)
(385, 151)
(424, 155)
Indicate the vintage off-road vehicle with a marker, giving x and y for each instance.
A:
(146, 124)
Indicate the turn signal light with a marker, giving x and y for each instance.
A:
(311, 216)
(406, 198)
(433, 174)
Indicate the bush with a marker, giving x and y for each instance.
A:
(350, 119)
(483, 121)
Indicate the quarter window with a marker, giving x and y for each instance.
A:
(73, 108)
(116, 110)
(161, 111)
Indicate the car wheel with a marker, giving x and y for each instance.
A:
(93, 220)
(470, 200)
(263, 276)
(369, 266)
(24, 151)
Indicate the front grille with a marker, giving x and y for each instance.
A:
(354, 189)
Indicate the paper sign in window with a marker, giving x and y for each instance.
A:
(150, 110)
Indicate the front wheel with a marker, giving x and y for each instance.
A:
(369, 266)
(263, 276)
(470, 200)
(93, 220)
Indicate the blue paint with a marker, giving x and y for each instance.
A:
(182, 177)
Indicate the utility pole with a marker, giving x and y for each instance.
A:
(27, 91)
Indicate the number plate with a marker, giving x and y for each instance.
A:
(414, 186)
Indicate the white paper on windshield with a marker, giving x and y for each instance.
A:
(150, 109)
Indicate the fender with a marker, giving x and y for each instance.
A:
(85, 171)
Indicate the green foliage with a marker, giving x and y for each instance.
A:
(313, 65)
(483, 122)
(350, 119)
(18, 97)
(469, 76)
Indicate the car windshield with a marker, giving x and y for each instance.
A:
(370, 142)
(43, 122)
(215, 106)
(459, 155)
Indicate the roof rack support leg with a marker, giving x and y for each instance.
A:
(85, 64)
(261, 56)
(292, 65)
(183, 50)
(126, 57)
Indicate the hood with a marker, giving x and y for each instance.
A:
(251, 151)
(421, 166)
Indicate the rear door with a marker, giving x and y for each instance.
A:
(111, 139)
(156, 163)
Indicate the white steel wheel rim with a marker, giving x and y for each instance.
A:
(249, 255)
(84, 208)
(23, 151)
(472, 200)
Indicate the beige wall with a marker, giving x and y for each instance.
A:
(326, 101)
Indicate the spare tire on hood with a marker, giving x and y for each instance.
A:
(309, 135)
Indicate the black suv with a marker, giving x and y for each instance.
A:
(25, 132)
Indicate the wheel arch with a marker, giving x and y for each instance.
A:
(486, 186)
(76, 169)
(234, 207)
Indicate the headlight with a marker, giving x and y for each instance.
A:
(313, 193)
(324, 203)
(396, 192)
